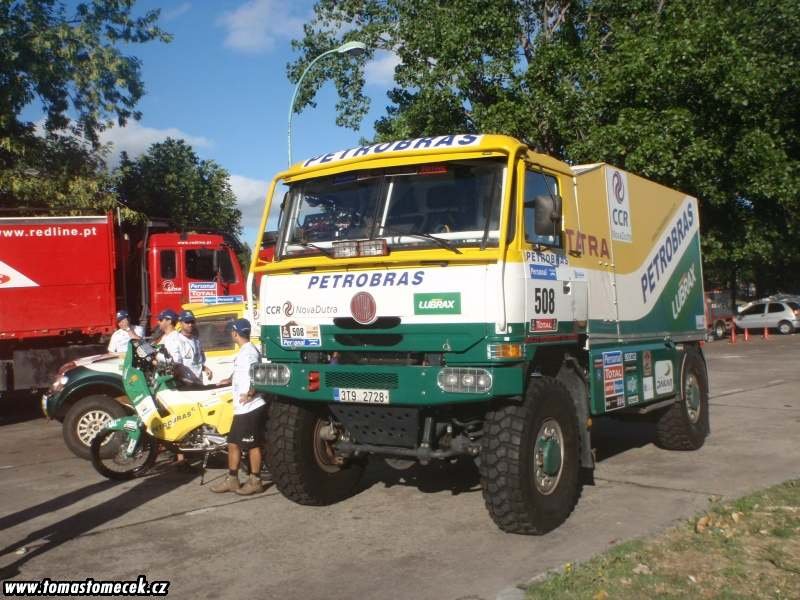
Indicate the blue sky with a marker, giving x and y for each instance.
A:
(221, 85)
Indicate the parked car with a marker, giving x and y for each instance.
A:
(783, 316)
(88, 392)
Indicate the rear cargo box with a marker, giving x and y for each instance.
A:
(56, 276)
(641, 254)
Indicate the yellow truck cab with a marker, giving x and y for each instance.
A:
(463, 295)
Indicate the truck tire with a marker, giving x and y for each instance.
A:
(529, 460)
(719, 330)
(86, 418)
(785, 328)
(301, 463)
(685, 424)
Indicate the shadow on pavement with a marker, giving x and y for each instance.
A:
(52, 536)
(611, 437)
(457, 478)
(18, 408)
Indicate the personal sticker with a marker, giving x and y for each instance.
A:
(298, 335)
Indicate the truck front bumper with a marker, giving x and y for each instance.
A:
(406, 385)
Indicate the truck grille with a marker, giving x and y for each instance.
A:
(349, 379)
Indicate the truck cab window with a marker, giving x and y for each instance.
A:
(211, 331)
(226, 267)
(168, 264)
(200, 264)
(539, 184)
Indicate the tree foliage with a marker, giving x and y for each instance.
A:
(70, 64)
(169, 181)
(700, 96)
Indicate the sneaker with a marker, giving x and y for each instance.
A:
(229, 484)
(253, 485)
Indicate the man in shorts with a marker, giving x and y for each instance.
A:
(249, 416)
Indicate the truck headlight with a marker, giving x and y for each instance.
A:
(270, 374)
(462, 379)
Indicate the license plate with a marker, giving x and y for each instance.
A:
(361, 396)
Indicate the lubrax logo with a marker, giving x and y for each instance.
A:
(437, 304)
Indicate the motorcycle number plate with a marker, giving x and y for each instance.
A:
(145, 408)
(361, 396)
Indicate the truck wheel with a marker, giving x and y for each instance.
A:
(785, 328)
(86, 418)
(719, 330)
(116, 465)
(303, 465)
(684, 425)
(529, 460)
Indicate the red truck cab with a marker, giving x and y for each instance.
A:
(196, 268)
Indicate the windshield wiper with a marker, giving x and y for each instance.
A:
(426, 236)
(326, 251)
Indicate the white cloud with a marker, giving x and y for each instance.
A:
(257, 24)
(250, 197)
(136, 139)
(380, 70)
(169, 15)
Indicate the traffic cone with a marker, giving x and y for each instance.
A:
(766, 333)
(746, 335)
(733, 336)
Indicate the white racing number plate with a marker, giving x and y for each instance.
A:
(361, 396)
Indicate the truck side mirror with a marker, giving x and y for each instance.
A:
(547, 214)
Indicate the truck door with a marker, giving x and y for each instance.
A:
(552, 296)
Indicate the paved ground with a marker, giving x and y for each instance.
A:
(419, 534)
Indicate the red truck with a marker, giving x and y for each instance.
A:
(719, 312)
(62, 279)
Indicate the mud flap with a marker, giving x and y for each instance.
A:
(570, 376)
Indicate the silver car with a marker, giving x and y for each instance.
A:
(783, 316)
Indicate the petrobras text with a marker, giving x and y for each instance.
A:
(667, 252)
(436, 142)
(360, 280)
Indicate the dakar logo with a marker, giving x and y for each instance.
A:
(288, 309)
(619, 187)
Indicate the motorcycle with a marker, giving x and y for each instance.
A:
(172, 412)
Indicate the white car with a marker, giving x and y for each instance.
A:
(770, 314)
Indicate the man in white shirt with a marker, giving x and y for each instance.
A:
(170, 338)
(118, 344)
(191, 350)
(249, 416)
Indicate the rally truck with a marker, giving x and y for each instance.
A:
(63, 278)
(464, 296)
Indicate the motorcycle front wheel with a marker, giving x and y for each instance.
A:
(110, 459)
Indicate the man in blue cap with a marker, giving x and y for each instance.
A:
(170, 338)
(118, 344)
(191, 350)
(249, 416)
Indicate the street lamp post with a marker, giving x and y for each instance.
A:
(354, 48)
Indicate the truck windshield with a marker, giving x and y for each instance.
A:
(456, 201)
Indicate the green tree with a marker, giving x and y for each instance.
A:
(169, 181)
(699, 96)
(69, 63)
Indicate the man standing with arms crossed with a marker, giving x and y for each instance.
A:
(249, 416)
